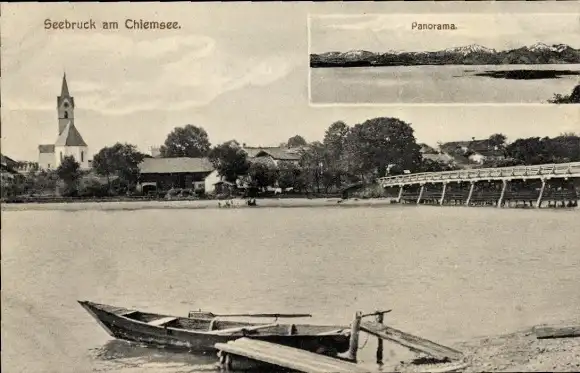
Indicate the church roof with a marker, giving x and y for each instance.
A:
(70, 136)
(46, 148)
(64, 88)
(64, 93)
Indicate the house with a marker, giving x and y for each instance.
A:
(69, 141)
(183, 172)
(8, 167)
(475, 151)
(428, 152)
(273, 155)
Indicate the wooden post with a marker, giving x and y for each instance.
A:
(354, 332)
(471, 187)
(420, 193)
(400, 194)
(443, 194)
(539, 201)
(380, 318)
(502, 195)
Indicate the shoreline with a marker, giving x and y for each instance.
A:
(519, 351)
(110, 205)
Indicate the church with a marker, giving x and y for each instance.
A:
(69, 141)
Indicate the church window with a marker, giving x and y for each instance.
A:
(61, 156)
(66, 104)
(66, 114)
(82, 156)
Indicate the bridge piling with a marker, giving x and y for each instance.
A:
(443, 194)
(502, 195)
(539, 201)
(420, 194)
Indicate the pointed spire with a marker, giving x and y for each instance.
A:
(64, 89)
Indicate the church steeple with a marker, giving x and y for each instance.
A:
(65, 105)
(64, 89)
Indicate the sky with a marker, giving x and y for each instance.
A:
(382, 32)
(238, 70)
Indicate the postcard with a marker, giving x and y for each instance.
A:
(290, 186)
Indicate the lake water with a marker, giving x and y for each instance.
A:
(436, 84)
(449, 274)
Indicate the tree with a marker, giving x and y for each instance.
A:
(262, 175)
(69, 172)
(312, 163)
(375, 145)
(289, 176)
(296, 141)
(230, 160)
(335, 139)
(498, 140)
(121, 160)
(188, 141)
(429, 165)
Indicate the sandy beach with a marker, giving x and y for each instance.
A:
(520, 351)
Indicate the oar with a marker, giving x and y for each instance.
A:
(275, 315)
(376, 313)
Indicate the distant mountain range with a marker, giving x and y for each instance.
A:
(473, 54)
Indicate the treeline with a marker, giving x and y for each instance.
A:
(346, 155)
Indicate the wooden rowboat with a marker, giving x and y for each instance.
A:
(200, 334)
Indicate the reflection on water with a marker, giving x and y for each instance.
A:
(119, 356)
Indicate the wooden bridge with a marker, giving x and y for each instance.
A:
(555, 184)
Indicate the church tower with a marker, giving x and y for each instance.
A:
(65, 105)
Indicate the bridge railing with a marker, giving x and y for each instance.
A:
(554, 169)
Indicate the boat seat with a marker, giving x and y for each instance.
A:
(162, 321)
(127, 313)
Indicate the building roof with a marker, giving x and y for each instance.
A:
(276, 152)
(70, 136)
(49, 148)
(475, 145)
(175, 165)
(7, 161)
(64, 93)
(279, 154)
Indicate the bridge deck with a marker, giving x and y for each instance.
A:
(562, 170)
(287, 357)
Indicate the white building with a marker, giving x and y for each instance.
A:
(69, 141)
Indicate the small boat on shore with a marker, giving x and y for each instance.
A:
(201, 331)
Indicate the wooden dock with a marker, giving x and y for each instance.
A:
(413, 343)
(287, 357)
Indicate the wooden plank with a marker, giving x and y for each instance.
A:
(161, 321)
(544, 332)
(239, 329)
(413, 343)
(287, 357)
